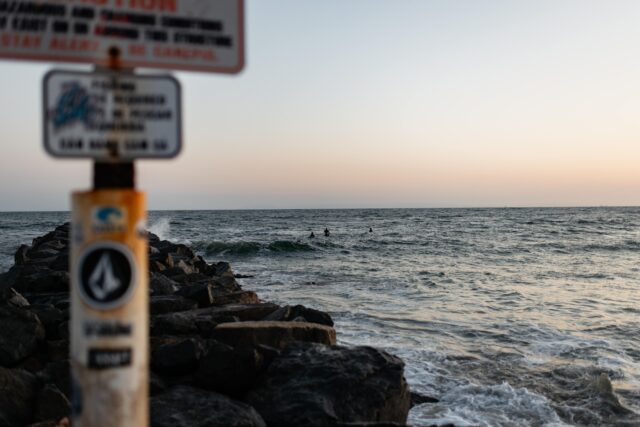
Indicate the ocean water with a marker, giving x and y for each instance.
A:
(525, 317)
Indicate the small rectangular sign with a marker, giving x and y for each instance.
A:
(196, 35)
(109, 358)
(111, 116)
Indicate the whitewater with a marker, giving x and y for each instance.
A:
(525, 317)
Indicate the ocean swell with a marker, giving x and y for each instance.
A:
(248, 248)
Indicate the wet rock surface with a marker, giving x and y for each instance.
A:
(192, 407)
(219, 355)
(332, 385)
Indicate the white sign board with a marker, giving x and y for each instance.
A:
(111, 116)
(196, 35)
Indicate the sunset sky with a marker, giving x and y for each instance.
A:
(378, 103)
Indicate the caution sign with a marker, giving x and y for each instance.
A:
(106, 272)
(197, 35)
(111, 115)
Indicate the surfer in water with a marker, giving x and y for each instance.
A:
(326, 232)
(312, 236)
(370, 230)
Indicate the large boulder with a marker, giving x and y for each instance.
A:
(20, 334)
(239, 297)
(51, 318)
(300, 311)
(161, 285)
(9, 296)
(177, 357)
(204, 320)
(18, 393)
(200, 292)
(185, 406)
(272, 334)
(315, 385)
(52, 404)
(170, 303)
(229, 370)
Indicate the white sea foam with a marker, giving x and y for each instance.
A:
(161, 227)
(496, 405)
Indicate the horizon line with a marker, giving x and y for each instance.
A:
(353, 208)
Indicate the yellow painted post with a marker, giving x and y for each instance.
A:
(109, 309)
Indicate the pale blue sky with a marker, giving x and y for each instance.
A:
(371, 103)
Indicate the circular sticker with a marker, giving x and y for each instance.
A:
(106, 274)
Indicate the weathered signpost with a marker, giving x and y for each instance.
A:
(115, 116)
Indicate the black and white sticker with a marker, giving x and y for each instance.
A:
(109, 358)
(106, 275)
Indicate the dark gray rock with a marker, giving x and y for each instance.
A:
(203, 321)
(177, 358)
(200, 264)
(51, 318)
(153, 238)
(9, 279)
(174, 273)
(202, 293)
(63, 330)
(162, 304)
(192, 278)
(268, 354)
(222, 269)
(244, 312)
(42, 253)
(162, 285)
(311, 315)
(191, 407)
(59, 235)
(20, 334)
(59, 300)
(18, 391)
(225, 283)
(273, 334)
(156, 384)
(228, 370)
(240, 297)
(332, 385)
(44, 280)
(58, 350)
(20, 256)
(167, 247)
(53, 423)
(180, 323)
(58, 373)
(156, 266)
(163, 258)
(289, 313)
(61, 262)
(419, 399)
(10, 296)
(187, 268)
(51, 404)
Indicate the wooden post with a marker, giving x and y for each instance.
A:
(109, 309)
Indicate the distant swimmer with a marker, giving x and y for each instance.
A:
(312, 236)
(370, 230)
(326, 232)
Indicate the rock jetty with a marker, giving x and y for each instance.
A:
(219, 355)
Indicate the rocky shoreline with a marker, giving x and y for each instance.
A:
(219, 355)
